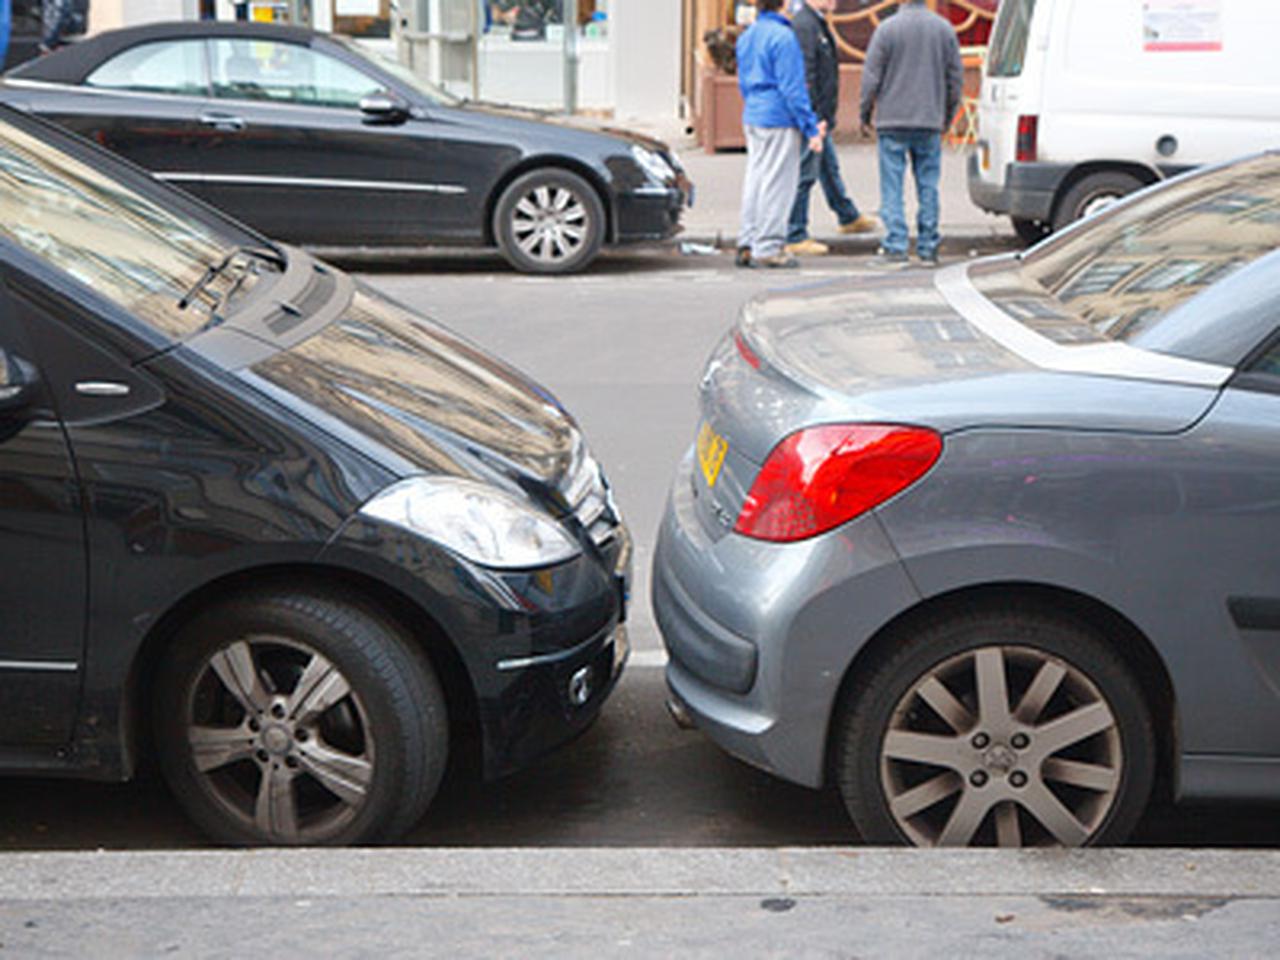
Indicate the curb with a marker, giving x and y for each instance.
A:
(956, 242)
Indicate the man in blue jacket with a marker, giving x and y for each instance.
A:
(776, 116)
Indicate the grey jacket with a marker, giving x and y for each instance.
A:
(913, 76)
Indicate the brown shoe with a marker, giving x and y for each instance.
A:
(864, 224)
(807, 248)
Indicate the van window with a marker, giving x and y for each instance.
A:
(1009, 39)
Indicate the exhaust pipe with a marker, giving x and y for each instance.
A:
(680, 714)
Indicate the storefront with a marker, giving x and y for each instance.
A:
(711, 26)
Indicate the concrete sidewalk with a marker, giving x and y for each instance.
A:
(642, 902)
(718, 182)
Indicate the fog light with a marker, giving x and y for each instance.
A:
(580, 687)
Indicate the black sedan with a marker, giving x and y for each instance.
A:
(310, 139)
(300, 542)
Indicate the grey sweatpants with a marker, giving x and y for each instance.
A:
(769, 188)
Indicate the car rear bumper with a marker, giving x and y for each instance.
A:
(760, 635)
(1027, 193)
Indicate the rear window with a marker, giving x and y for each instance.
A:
(1009, 39)
(1125, 275)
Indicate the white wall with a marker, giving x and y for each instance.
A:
(109, 14)
(646, 38)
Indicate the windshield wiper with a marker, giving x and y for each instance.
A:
(214, 270)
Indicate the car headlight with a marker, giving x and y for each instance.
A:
(652, 163)
(482, 524)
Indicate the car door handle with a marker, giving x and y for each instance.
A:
(102, 388)
(222, 121)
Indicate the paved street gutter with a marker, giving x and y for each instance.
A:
(592, 903)
(622, 872)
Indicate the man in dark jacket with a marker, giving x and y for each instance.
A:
(913, 80)
(822, 71)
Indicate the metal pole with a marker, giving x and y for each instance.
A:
(570, 56)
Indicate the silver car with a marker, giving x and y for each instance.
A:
(997, 548)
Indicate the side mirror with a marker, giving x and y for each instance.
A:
(383, 108)
(17, 383)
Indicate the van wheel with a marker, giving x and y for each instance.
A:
(293, 719)
(1030, 231)
(996, 729)
(549, 221)
(1092, 195)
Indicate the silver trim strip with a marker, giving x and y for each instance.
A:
(520, 663)
(102, 388)
(40, 666)
(1111, 359)
(400, 185)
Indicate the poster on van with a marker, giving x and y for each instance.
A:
(1182, 26)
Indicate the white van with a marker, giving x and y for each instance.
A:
(1084, 101)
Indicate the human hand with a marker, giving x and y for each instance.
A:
(822, 128)
(866, 129)
(816, 143)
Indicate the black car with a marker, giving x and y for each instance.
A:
(298, 541)
(310, 139)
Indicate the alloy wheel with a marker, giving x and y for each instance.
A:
(1001, 745)
(280, 740)
(549, 224)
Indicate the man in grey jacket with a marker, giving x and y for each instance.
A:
(913, 81)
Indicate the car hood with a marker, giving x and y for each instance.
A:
(898, 348)
(545, 118)
(418, 399)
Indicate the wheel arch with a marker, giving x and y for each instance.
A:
(1146, 175)
(1109, 625)
(552, 162)
(418, 623)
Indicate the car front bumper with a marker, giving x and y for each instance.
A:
(761, 635)
(652, 212)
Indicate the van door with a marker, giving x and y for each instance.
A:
(1010, 88)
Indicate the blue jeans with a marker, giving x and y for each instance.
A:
(924, 148)
(823, 167)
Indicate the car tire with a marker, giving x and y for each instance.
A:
(1030, 232)
(295, 719)
(1092, 194)
(549, 221)
(1064, 755)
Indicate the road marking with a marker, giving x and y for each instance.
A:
(648, 659)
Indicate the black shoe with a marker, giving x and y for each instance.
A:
(891, 259)
(743, 257)
(779, 261)
(928, 259)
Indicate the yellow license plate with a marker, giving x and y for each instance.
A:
(711, 450)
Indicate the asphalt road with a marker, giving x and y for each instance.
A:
(622, 347)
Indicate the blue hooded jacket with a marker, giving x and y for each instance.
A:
(771, 77)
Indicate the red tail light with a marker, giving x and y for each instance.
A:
(1028, 137)
(820, 477)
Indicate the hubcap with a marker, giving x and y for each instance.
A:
(549, 224)
(1099, 203)
(281, 742)
(1002, 745)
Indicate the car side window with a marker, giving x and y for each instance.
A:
(1269, 363)
(286, 73)
(176, 67)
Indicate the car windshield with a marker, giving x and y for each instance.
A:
(401, 73)
(125, 246)
(1120, 277)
